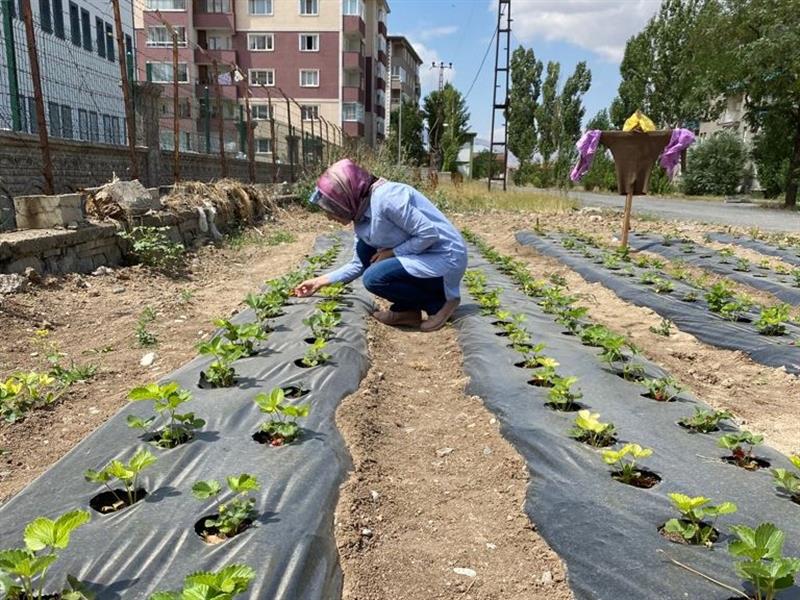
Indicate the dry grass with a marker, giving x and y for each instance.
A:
(473, 196)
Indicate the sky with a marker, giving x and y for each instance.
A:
(567, 31)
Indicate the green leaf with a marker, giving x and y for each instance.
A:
(93, 476)
(166, 596)
(141, 460)
(206, 489)
(135, 422)
(243, 483)
(39, 534)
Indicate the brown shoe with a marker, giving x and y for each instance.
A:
(438, 320)
(405, 318)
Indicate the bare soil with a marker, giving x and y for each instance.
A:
(93, 320)
(762, 398)
(435, 486)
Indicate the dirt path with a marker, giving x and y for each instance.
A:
(762, 398)
(93, 319)
(435, 486)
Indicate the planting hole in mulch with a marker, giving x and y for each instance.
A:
(310, 340)
(205, 384)
(540, 382)
(109, 502)
(652, 397)
(294, 391)
(502, 333)
(754, 464)
(574, 407)
(522, 348)
(677, 538)
(155, 438)
(299, 363)
(499, 323)
(211, 535)
(269, 439)
(645, 480)
(693, 430)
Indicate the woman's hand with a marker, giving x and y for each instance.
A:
(382, 254)
(309, 286)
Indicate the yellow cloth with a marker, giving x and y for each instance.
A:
(638, 121)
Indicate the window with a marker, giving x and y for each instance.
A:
(83, 125)
(86, 25)
(309, 112)
(34, 124)
(162, 72)
(219, 42)
(380, 71)
(263, 145)
(309, 77)
(166, 4)
(260, 42)
(381, 16)
(353, 8)
(66, 122)
(215, 6)
(129, 53)
(352, 111)
(58, 18)
(260, 112)
(106, 129)
(309, 42)
(109, 42)
(94, 127)
(399, 72)
(100, 36)
(260, 7)
(352, 79)
(262, 76)
(54, 112)
(158, 36)
(74, 24)
(309, 7)
(45, 20)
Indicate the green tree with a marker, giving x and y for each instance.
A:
(448, 122)
(635, 72)
(526, 83)
(547, 115)
(571, 111)
(413, 149)
(480, 164)
(602, 175)
(716, 165)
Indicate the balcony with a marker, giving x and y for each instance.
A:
(214, 20)
(380, 83)
(353, 60)
(382, 28)
(353, 94)
(354, 24)
(223, 57)
(353, 129)
(228, 92)
(382, 58)
(379, 110)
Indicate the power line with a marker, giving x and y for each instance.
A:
(483, 62)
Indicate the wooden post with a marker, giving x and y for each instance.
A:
(251, 151)
(274, 142)
(130, 119)
(221, 127)
(626, 223)
(41, 122)
(289, 139)
(176, 101)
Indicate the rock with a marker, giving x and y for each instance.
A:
(47, 325)
(32, 276)
(13, 283)
(130, 196)
(118, 290)
(148, 359)
(546, 578)
(443, 452)
(464, 571)
(100, 271)
(375, 495)
(487, 451)
(365, 532)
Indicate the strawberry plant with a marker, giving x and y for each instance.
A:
(571, 317)
(590, 430)
(690, 297)
(233, 516)
(788, 481)
(692, 525)
(561, 395)
(20, 568)
(144, 336)
(796, 277)
(705, 421)
(613, 347)
(221, 372)
(532, 357)
(772, 320)
(330, 306)
(245, 335)
(663, 389)
(611, 262)
(546, 375)
(633, 372)
(22, 392)
(741, 445)
(649, 277)
(687, 248)
(725, 254)
(554, 300)
(127, 474)
(763, 564)
(316, 355)
(322, 324)
(663, 328)
(663, 286)
(283, 428)
(333, 291)
(224, 584)
(764, 264)
(489, 301)
(742, 265)
(166, 399)
(624, 460)
(266, 306)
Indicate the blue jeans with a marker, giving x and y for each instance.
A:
(388, 279)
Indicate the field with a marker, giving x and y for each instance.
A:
(457, 464)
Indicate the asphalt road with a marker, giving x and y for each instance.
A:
(740, 215)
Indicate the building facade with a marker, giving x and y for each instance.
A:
(404, 65)
(79, 70)
(327, 56)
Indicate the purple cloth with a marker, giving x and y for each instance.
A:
(680, 140)
(345, 190)
(587, 148)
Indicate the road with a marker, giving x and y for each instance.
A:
(740, 215)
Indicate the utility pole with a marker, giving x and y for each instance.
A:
(41, 122)
(11, 65)
(221, 128)
(400, 130)
(500, 98)
(130, 119)
(442, 68)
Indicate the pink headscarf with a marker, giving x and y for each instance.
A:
(345, 189)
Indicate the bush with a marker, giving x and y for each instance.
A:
(716, 166)
(602, 175)
(152, 247)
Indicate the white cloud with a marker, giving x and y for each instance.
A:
(436, 32)
(429, 78)
(602, 26)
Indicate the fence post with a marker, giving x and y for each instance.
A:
(176, 128)
(148, 106)
(251, 156)
(11, 65)
(41, 122)
(291, 135)
(272, 137)
(207, 105)
(218, 92)
(327, 141)
(130, 120)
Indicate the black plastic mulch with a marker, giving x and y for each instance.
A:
(786, 254)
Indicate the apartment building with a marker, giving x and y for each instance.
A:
(328, 56)
(79, 70)
(404, 64)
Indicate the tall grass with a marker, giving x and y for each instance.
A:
(472, 196)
